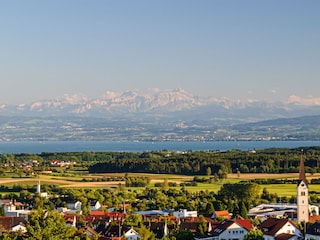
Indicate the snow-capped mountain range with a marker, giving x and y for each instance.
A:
(162, 102)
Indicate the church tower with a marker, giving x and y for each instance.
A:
(302, 195)
(38, 188)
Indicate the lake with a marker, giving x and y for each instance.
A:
(114, 146)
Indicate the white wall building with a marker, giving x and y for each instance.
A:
(184, 214)
(75, 205)
(132, 235)
(302, 195)
(272, 228)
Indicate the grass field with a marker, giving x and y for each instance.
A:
(282, 190)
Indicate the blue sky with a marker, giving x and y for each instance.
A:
(264, 50)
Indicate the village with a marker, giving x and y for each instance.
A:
(268, 221)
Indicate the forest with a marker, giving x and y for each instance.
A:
(215, 162)
(273, 160)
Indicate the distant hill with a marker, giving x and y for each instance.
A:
(299, 128)
(157, 116)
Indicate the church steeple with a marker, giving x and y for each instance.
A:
(302, 194)
(302, 173)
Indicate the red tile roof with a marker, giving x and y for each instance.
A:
(272, 225)
(244, 223)
(314, 218)
(225, 214)
(221, 227)
(97, 213)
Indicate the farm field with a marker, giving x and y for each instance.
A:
(77, 181)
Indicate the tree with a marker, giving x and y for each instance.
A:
(243, 210)
(49, 225)
(202, 227)
(133, 220)
(209, 209)
(240, 192)
(2, 212)
(209, 171)
(238, 173)
(236, 210)
(11, 236)
(184, 235)
(165, 185)
(145, 233)
(254, 234)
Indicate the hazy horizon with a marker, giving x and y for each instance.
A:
(260, 50)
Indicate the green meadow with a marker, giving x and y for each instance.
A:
(282, 190)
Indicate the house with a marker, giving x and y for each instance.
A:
(314, 219)
(95, 205)
(18, 213)
(19, 227)
(184, 213)
(74, 205)
(91, 233)
(8, 224)
(71, 220)
(132, 235)
(274, 228)
(221, 214)
(313, 232)
(7, 205)
(153, 213)
(68, 211)
(189, 226)
(118, 232)
(192, 224)
(159, 229)
(230, 229)
(112, 216)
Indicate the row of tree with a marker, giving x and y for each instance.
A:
(274, 160)
(213, 163)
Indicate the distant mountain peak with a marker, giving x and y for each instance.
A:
(309, 101)
(165, 102)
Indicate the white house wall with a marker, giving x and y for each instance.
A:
(289, 228)
(234, 231)
(131, 235)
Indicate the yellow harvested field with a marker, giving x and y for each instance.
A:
(248, 176)
(263, 175)
(61, 183)
(75, 182)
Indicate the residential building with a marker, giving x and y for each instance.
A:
(230, 229)
(74, 205)
(95, 205)
(223, 214)
(8, 224)
(184, 213)
(273, 228)
(313, 232)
